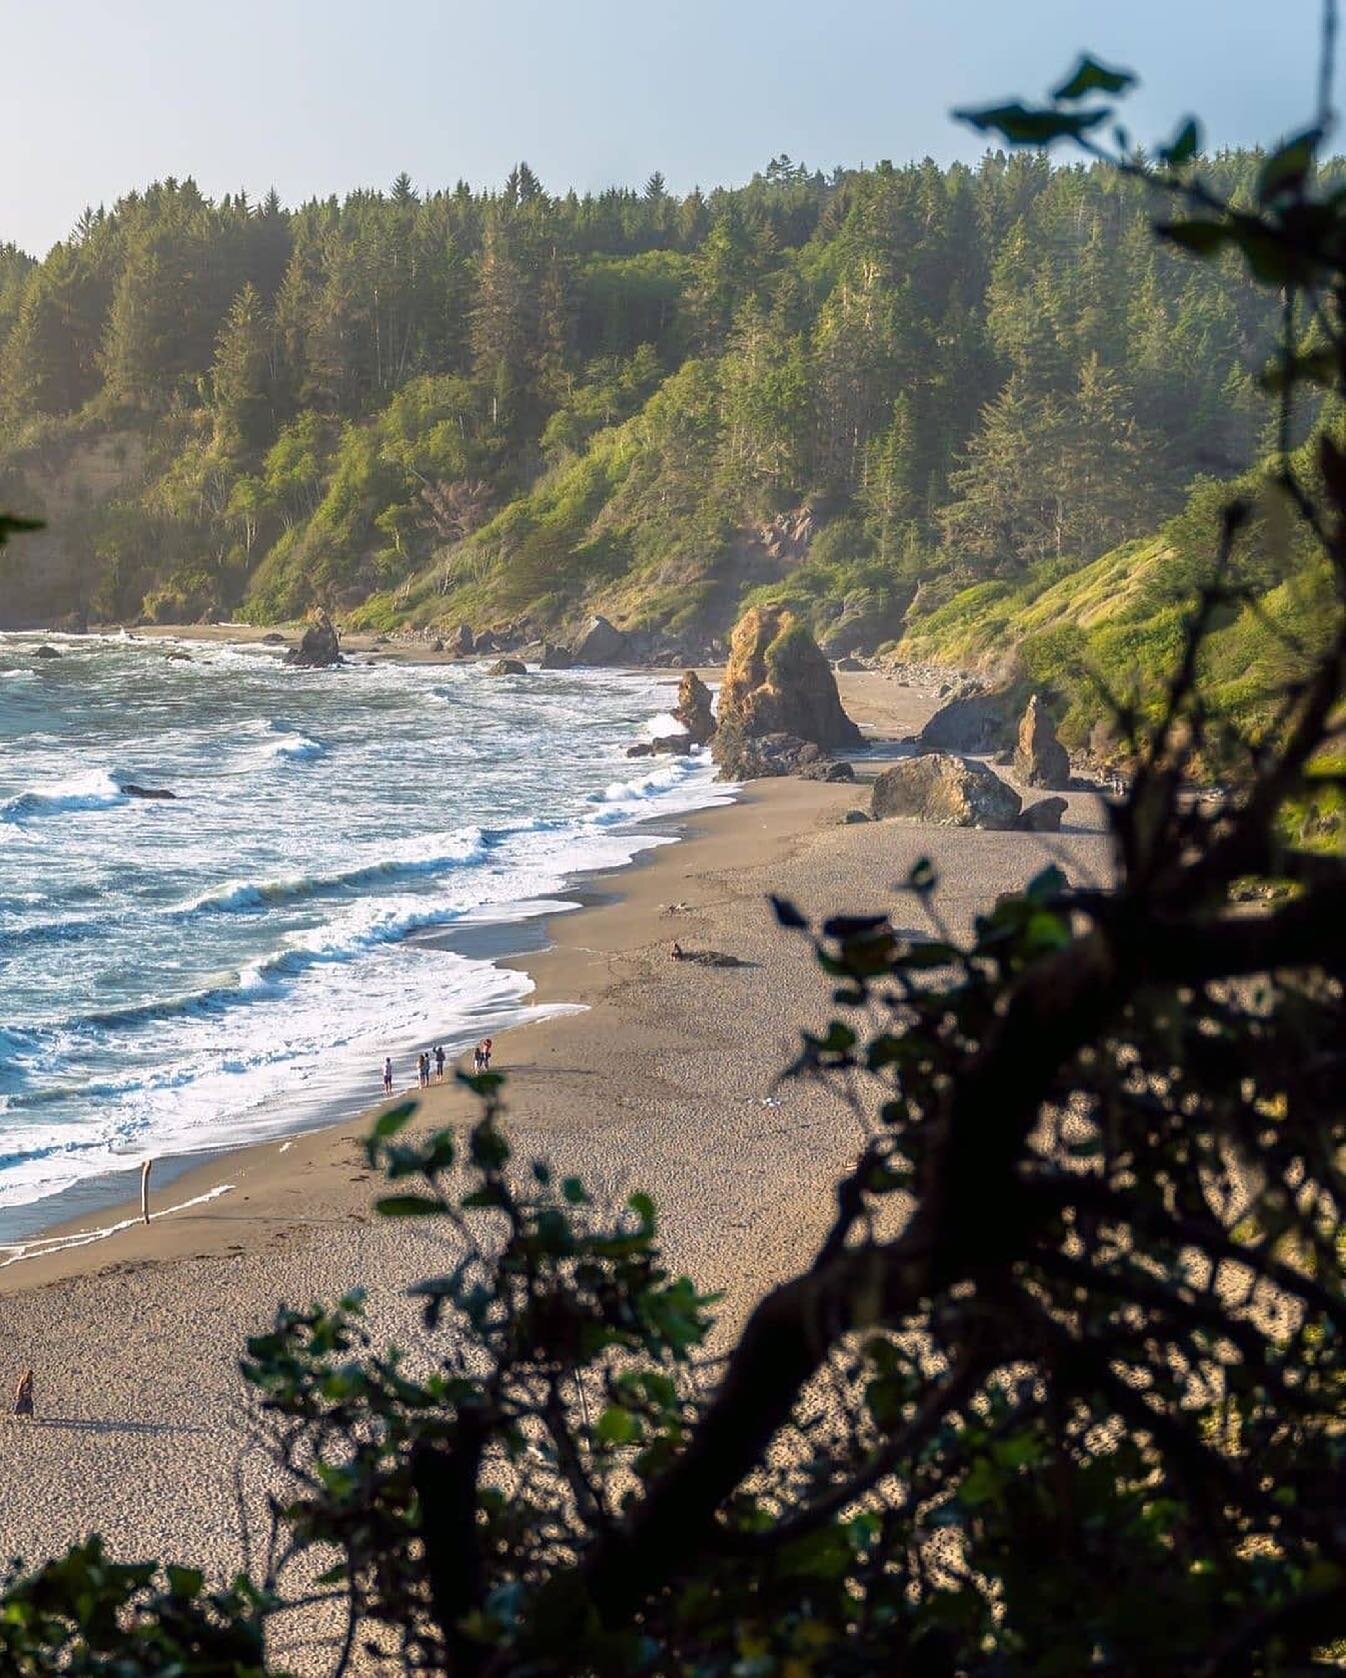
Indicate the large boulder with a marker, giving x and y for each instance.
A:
(973, 722)
(461, 641)
(1040, 760)
(1042, 817)
(694, 708)
(319, 647)
(945, 791)
(553, 657)
(777, 682)
(755, 757)
(508, 667)
(600, 642)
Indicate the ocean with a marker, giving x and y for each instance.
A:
(179, 975)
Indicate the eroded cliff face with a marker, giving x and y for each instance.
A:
(53, 574)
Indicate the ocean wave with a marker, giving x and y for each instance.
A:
(297, 748)
(95, 790)
(471, 846)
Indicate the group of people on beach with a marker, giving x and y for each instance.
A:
(430, 1065)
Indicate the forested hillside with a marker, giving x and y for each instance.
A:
(432, 406)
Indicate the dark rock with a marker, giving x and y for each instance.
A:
(273, 638)
(600, 642)
(179, 657)
(673, 745)
(970, 722)
(757, 757)
(320, 647)
(694, 708)
(1040, 760)
(436, 646)
(133, 791)
(849, 664)
(853, 818)
(946, 791)
(461, 640)
(508, 667)
(642, 748)
(777, 684)
(44, 651)
(1042, 817)
(553, 657)
(487, 642)
(833, 769)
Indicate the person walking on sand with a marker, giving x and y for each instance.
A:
(387, 1074)
(486, 1055)
(23, 1394)
(479, 1058)
(439, 1063)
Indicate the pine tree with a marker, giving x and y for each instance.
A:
(241, 377)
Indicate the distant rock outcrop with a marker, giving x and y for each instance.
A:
(777, 687)
(973, 721)
(553, 657)
(320, 646)
(508, 667)
(461, 640)
(44, 651)
(694, 709)
(946, 791)
(131, 790)
(600, 642)
(1040, 760)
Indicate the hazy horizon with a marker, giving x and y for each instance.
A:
(320, 100)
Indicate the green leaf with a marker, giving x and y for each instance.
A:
(395, 1119)
(786, 913)
(617, 1426)
(12, 526)
(574, 1192)
(643, 1207)
(408, 1206)
(185, 1581)
(1202, 238)
(1023, 126)
(1184, 145)
(1287, 169)
(1089, 76)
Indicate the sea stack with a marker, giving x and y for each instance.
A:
(779, 686)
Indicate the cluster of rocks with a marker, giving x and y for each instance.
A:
(695, 711)
(319, 647)
(940, 786)
(597, 643)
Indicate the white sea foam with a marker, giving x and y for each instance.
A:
(213, 977)
(96, 789)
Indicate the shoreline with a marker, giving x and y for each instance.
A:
(668, 1081)
(73, 1238)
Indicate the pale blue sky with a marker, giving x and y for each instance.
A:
(317, 96)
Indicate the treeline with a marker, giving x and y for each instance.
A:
(421, 403)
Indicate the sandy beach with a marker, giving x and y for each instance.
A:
(666, 1080)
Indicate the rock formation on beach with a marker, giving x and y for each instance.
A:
(694, 708)
(946, 791)
(1040, 760)
(1042, 817)
(973, 721)
(777, 686)
(320, 646)
(508, 667)
(600, 642)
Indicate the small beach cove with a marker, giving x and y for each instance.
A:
(665, 1081)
